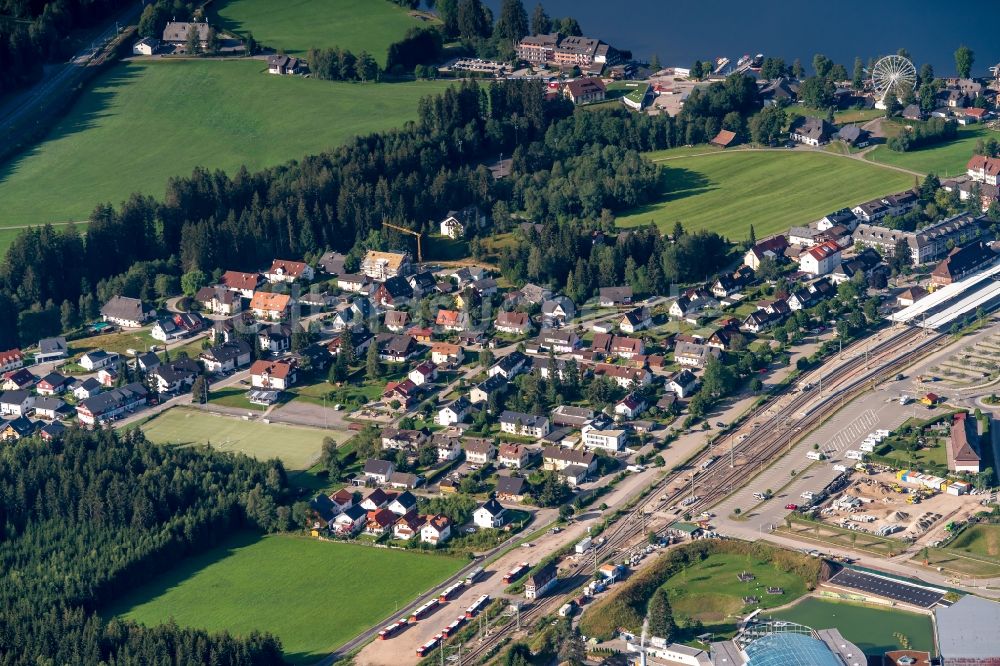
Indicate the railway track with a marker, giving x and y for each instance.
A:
(758, 448)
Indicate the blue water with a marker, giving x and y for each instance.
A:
(680, 31)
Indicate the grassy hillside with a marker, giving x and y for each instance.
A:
(947, 159)
(772, 190)
(307, 593)
(142, 122)
(298, 25)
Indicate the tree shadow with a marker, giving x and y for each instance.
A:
(83, 114)
(676, 184)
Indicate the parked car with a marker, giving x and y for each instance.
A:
(791, 507)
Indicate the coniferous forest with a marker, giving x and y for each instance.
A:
(89, 516)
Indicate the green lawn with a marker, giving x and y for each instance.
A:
(296, 446)
(312, 595)
(137, 339)
(298, 25)
(143, 122)
(772, 190)
(711, 592)
(948, 159)
(871, 629)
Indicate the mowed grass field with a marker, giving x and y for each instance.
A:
(143, 122)
(983, 540)
(871, 629)
(711, 591)
(298, 25)
(948, 159)
(772, 190)
(296, 446)
(313, 595)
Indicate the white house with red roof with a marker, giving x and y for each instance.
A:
(12, 359)
(984, 169)
(282, 270)
(242, 283)
(820, 259)
(274, 375)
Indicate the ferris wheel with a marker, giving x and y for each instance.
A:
(892, 74)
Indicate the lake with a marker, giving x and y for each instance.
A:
(679, 31)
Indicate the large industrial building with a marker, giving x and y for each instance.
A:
(967, 632)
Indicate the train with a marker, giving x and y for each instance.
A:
(423, 610)
(391, 630)
(516, 573)
(427, 647)
(450, 630)
(477, 607)
(450, 590)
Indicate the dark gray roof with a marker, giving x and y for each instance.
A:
(493, 507)
(510, 485)
(103, 402)
(123, 307)
(378, 467)
(52, 345)
(14, 397)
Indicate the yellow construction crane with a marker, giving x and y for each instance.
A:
(420, 257)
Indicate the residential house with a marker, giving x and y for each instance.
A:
(146, 46)
(16, 403)
(984, 169)
(844, 216)
(558, 310)
(219, 300)
(961, 262)
(611, 440)
(490, 515)
(485, 287)
(803, 236)
(759, 320)
(459, 222)
(245, 284)
(227, 356)
(479, 451)
(509, 366)
(283, 65)
(282, 270)
(49, 408)
(820, 259)
(355, 283)
(614, 297)
(682, 384)
(513, 456)
(271, 306)
(276, 338)
(108, 376)
(12, 359)
(87, 388)
(127, 312)
(541, 581)
(525, 425)
(379, 522)
(772, 248)
(350, 520)
(15, 380)
(482, 392)
(962, 444)
(332, 263)
(404, 481)
(627, 378)
(573, 417)
(854, 136)
(558, 341)
(385, 265)
(378, 471)
(51, 349)
(396, 348)
(635, 320)
(445, 353)
(422, 284)
(515, 323)
(394, 439)
(19, 428)
(585, 90)
(694, 355)
(422, 335)
(53, 383)
(360, 339)
(395, 292)
(529, 294)
(454, 412)
(408, 526)
(403, 503)
(176, 327)
(625, 347)
(177, 33)
(405, 393)
(510, 488)
(913, 112)
(451, 320)
(98, 359)
(273, 375)
(436, 530)
(556, 458)
(448, 446)
(811, 131)
(109, 406)
(543, 365)
(173, 377)
(574, 475)
(424, 373)
(397, 320)
(630, 407)
(52, 431)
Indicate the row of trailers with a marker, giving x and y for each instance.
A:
(427, 608)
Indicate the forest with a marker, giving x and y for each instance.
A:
(88, 516)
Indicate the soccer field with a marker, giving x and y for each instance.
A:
(296, 446)
(298, 25)
(772, 190)
(313, 595)
(871, 629)
(142, 122)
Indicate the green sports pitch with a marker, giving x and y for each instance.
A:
(772, 190)
(296, 446)
(312, 595)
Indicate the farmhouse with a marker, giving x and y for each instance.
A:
(854, 136)
(282, 65)
(176, 32)
(126, 312)
(615, 297)
(811, 131)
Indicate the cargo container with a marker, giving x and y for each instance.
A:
(583, 545)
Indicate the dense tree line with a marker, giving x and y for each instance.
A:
(935, 130)
(335, 64)
(92, 515)
(36, 33)
(155, 16)
(420, 46)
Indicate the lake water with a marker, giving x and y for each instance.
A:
(679, 31)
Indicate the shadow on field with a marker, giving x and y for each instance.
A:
(82, 115)
(675, 184)
(162, 582)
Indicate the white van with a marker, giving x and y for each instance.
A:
(807, 495)
(814, 455)
(882, 433)
(854, 455)
(840, 468)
